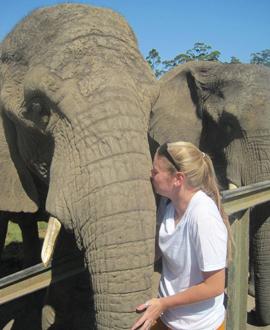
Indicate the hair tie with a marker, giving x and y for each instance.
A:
(203, 154)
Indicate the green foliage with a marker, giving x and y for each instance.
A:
(234, 60)
(154, 61)
(199, 52)
(262, 57)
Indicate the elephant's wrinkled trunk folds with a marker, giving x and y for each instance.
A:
(104, 184)
(248, 158)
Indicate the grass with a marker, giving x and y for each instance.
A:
(14, 232)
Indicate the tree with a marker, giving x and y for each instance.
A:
(234, 60)
(262, 57)
(154, 61)
(199, 52)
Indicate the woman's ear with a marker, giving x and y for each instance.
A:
(18, 192)
(180, 177)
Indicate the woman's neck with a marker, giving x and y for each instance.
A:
(181, 201)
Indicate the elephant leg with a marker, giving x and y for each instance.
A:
(31, 243)
(251, 280)
(261, 254)
(3, 234)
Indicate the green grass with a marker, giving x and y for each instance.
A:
(42, 227)
(14, 232)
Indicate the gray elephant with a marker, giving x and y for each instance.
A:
(225, 110)
(75, 97)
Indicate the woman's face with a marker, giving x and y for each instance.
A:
(162, 179)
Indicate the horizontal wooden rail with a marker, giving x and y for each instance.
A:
(239, 199)
(38, 277)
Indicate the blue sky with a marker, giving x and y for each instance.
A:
(234, 27)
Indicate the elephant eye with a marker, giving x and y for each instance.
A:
(229, 127)
(37, 110)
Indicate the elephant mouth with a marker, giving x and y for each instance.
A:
(53, 230)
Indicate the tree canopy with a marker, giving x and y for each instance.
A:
(199, 52)
(262, 57)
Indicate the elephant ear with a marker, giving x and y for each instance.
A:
(175, 116)
(206, 87)
(18, 192)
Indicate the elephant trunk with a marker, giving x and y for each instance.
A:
(103, 193)
(260, 243)
(119, 229)
(119, 253)
(248, 158)
(117, 234)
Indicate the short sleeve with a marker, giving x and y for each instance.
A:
(209, 239)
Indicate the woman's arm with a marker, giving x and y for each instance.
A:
(212, 286)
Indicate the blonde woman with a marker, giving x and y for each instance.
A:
(192, 242)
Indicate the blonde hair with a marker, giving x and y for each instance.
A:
(199, 171)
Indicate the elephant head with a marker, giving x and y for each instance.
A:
(225, 110)
(75, 97)
(222, 108)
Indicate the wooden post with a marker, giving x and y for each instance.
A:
(237, 289)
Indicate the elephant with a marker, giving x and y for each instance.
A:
(75, 99)
(225, 110)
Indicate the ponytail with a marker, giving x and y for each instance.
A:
(211, 188)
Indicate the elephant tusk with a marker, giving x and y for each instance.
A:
(232, 186)
(49, 243)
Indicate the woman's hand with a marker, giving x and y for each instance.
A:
(153, 309)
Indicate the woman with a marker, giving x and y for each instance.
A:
(192, 242)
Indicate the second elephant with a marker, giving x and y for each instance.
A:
(225, 110)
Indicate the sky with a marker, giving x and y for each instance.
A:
(233, 27)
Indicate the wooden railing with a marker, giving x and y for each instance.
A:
(38, 277)
(236, 203)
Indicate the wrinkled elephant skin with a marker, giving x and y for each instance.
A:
(75, 97)
(225, 110)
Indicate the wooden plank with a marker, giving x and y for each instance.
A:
(38, 277)
(238, 275)
(242, 198)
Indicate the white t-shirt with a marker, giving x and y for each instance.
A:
(197, 243)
